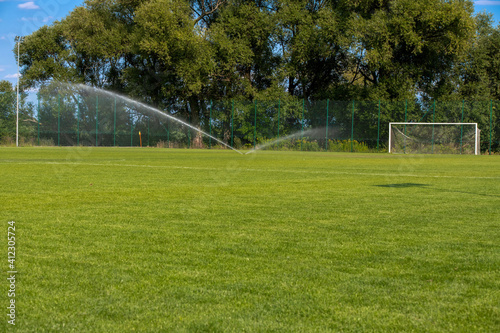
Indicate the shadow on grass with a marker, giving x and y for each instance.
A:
(408, 185)
(402, 185)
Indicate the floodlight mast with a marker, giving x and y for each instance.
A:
(18, 40)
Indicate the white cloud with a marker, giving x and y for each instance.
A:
(486, 3)
(2, 69)
(28, 5)
(45, 19)
(11, 76)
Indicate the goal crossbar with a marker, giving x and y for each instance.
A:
(410, 123)
(476, 131)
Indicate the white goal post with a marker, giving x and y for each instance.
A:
(434, 138)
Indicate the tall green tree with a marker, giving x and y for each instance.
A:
(404, 48)
(478, 74)
(179, 54)
(310, 38)
(243, 50)
(168, 51)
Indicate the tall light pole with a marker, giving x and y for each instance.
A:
(18, 40)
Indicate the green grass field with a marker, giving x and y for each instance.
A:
(161, 240)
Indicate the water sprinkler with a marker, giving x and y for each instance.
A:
(140, 138)
(150, 108)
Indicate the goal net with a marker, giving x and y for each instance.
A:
(434, 138)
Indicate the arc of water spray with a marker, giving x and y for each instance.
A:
(259, 147)
(130, 100)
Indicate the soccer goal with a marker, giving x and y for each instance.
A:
(434, 138)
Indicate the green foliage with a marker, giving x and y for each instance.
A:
(176, 52)
(165, 31)
(478, 74)
(243, 50)
(409, 47)
(308, 144)
(347, 146)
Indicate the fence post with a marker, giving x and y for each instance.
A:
(302, 121)
(255, 122)
(326, 134)
(232, 118)
(114, 125)
(352, 127)
(96, 118)
(378, 127)
(406, 119)
(491, 124)
(210, 126)
(78, 121)
(433, 120)
(189, 131)
(58, 120)
(462, 126)
(279, 107)
(38, 114)
(131, 130)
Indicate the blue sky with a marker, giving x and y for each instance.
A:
(22, 17)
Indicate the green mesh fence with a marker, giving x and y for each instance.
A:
(7, 116)
(86, 118)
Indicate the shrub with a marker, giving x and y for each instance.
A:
(347, 145)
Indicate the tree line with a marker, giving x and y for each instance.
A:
(179, 54)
